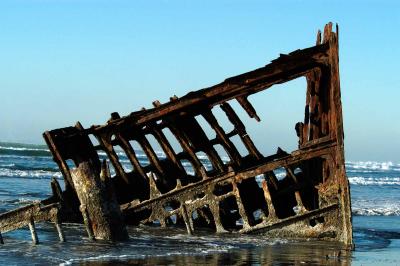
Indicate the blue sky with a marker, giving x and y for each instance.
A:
(64, 61)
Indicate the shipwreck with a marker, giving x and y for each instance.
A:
(240, 195)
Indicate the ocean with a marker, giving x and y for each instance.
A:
(25, 175)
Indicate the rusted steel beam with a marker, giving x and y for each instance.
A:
(27, 216)
(244, 102)
(21, 217)
(241, 130)
(232, 151)
(283, 69)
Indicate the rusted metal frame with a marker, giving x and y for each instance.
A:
(319, 106)
(184, 140)
(210, 200)
(117, 167)
(188, 219)
(137, 167)
(268, 199)
(242, 210)
(32, 228)
(187, 206)
(89, 154)
(293, 188)
(271, 179)
(308, 178)
(324, 80)
(321, 70)
(250, 110)
(313, 143)
(105, 141)
(306, 125)
(232, 133)
(273, 224)
(60, 231)
(311, 131)
(249, 173)
(323, 77)
(185, 144)
(69, 186)
(156, 130)
(154, 192)
(165, 145)
(281, 70)
(315, 111)
(289, 172)
(241, 129)
(57, 193)
(313, 107)
(150, 153)
(78, 137)
(229, 147)
(271, 216)
(338, 131)
(267, 223)
(309, 171)
(131, 132)
(289, 160)
(198, 139)
(20, 217)
(126, 147)
(270, 176)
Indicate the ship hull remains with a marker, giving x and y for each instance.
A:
(243, 194)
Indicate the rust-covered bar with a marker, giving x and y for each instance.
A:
(242, 195)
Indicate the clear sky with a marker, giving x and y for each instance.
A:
(63, 60)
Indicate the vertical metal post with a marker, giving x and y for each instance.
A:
(59, 231)
(32, 228)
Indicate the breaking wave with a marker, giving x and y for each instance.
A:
(14, 166)
(371, 166)
(45, 174)
(368, 181)
(378, 211)
(23, 149)
(24, 201)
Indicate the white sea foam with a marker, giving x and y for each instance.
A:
(21, 148)
(5, 172)
(19, 200)
(360, 180)
(378, 211)
(371, 165)
(94, 258)
(13, 156)
(122, 154)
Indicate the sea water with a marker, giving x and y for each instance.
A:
(26, 171)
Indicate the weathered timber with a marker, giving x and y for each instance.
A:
(243, 194)
(98, 204)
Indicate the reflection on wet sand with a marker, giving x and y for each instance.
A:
(315, 253)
